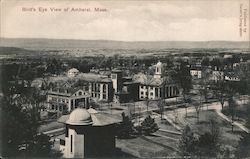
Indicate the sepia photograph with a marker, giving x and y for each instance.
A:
(125, 79)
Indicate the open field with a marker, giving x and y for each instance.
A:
(227, 136)
(148, 146)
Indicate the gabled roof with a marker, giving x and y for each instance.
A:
(91, 77)
(150, 80)
(64, 91)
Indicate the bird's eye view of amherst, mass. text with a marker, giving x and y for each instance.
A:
(125, 79)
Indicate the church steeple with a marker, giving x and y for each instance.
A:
(158, 70)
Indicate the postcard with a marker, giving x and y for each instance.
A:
(133, 79)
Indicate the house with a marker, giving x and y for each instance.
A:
(217, 75)
(88, 134)
(231, 76)
(196, 72)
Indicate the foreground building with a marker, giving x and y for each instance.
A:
(88, 134)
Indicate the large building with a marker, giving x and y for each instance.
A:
(66, 99)
(156, 86)
(88, 134)
(99, 86)
(129, 91)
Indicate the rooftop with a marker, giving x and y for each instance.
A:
(93, 77)
(150, 80)
(98, 118)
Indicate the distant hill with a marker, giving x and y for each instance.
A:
(13, 51)
(108, 44)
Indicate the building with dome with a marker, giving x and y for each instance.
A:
(88, 134)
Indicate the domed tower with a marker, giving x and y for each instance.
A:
(76, 126)
(158, 70)
(88, 134)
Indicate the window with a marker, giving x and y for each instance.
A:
(156, 92)
(151, 94)
(104, 88)
(113, 76)
(141, 93)
(80, 93)
(71, 143)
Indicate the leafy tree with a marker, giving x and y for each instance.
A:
(20, 136)
(205, 83)
(184, 80)
(126, 128)
(208, 143)
(243, 147)
(187, 142)
(148, 126)
(43, 149)
(205, 62)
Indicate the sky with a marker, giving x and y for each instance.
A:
(137, 20)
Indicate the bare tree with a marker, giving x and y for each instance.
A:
(221, 92)
(205, 83)
(232, 107)
(197, 106)
(161, 103)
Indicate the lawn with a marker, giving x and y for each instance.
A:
(241, 112)
(227, 136)
(147, 146)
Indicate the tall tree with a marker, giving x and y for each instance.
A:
(184, 80)
(232, 107)
(187, 142)
(19, 131)
(205, 83)
(126, 128)
(208, 144)
(197, 106)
